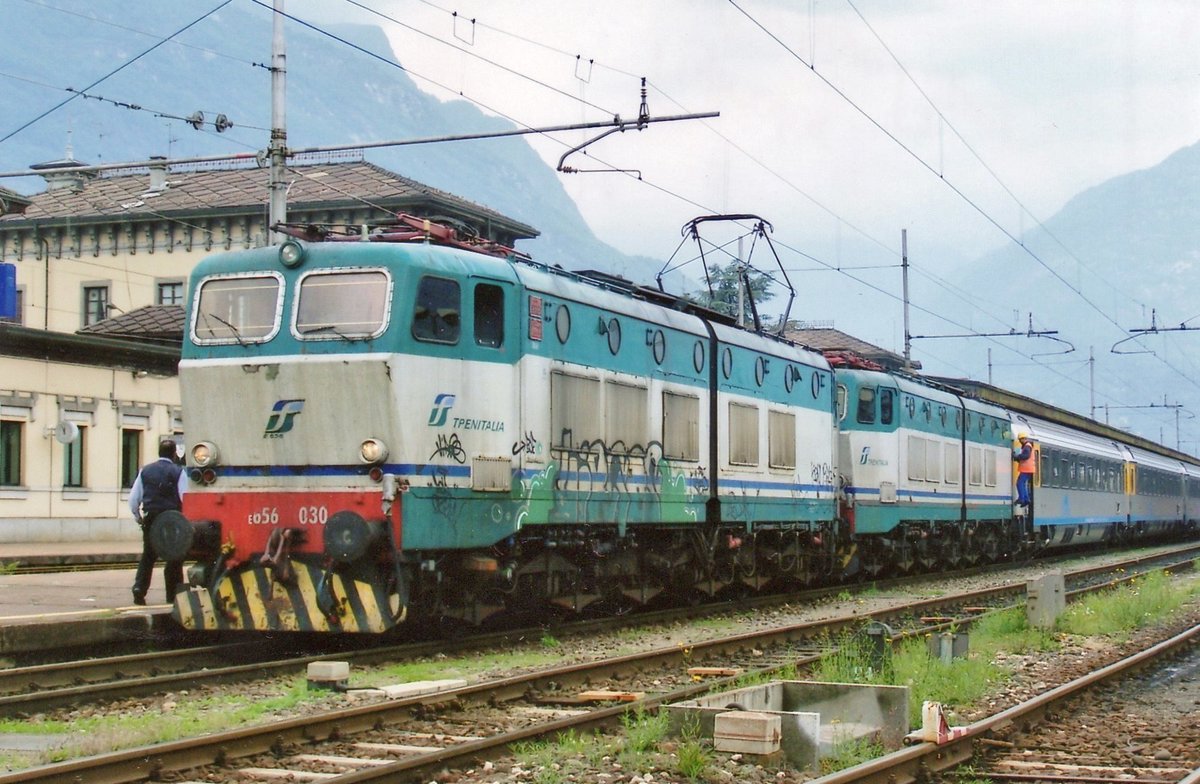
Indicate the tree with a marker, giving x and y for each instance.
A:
(726, 283)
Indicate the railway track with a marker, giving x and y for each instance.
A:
(34, 689)
(415, 737)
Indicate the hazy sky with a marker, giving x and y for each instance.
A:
(1053, 97)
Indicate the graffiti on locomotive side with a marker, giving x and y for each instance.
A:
(528, 445)
(822, 473)
(449, 447)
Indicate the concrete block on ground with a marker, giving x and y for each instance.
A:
(400, 691)
(747, 732)
(328, 674)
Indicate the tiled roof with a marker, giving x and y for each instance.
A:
(834, 340)
(155, 323)
(319, 185)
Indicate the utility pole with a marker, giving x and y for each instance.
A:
(904, 275)
(1092, 378)
(989, 367)
(277, 151)
(741, 277)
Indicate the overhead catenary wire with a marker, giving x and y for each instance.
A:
(116, 70)
(949, 184)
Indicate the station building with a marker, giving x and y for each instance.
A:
(88, 363)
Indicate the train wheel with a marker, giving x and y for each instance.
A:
(952, 552)
(904, 556)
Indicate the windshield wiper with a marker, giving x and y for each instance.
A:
(237, 335)
(331, 328)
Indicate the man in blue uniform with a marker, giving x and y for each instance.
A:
(158, 488)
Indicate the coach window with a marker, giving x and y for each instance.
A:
(489, 315)
(886, 406)
(342, 304)
(866, 405)
(239, 309)
(436, 315)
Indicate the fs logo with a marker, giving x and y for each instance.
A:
(441, 409)
(282, 415)
(866, 453)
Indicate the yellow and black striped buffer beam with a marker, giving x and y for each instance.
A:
(249, 599)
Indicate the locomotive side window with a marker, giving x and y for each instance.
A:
(624, 416)
(436, 315)
(916, 458)
(841, 402)
(933, 461)
(781, 439)
(975, 465)
(241, 309)
(681, 427)
(342, 303)
(574, 403)
(989, 468)
(886, 406)
(953, 467)
(866, 405)
(489, 315)
(743, 434)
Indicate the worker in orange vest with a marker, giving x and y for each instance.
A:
(1025, 467)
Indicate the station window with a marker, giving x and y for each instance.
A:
(681, 427)
(489, 315)
(342, 304)
(74, 454)
(781, 439)
(169, 292)
(866, 405)
(131, 456)
(95, 304)
(239, 309)
(436, 317)
(11, 436)
(743, 434)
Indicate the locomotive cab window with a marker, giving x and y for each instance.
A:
(866, 405)
(340, 304)
(436, 313)
(489, 315)
(886, 406)
(239, 309)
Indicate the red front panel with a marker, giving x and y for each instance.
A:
(248, 518)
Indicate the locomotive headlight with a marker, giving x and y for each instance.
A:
(373, 451)
(204, 454)
(291, 253)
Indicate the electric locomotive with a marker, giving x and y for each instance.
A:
(383, 430)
